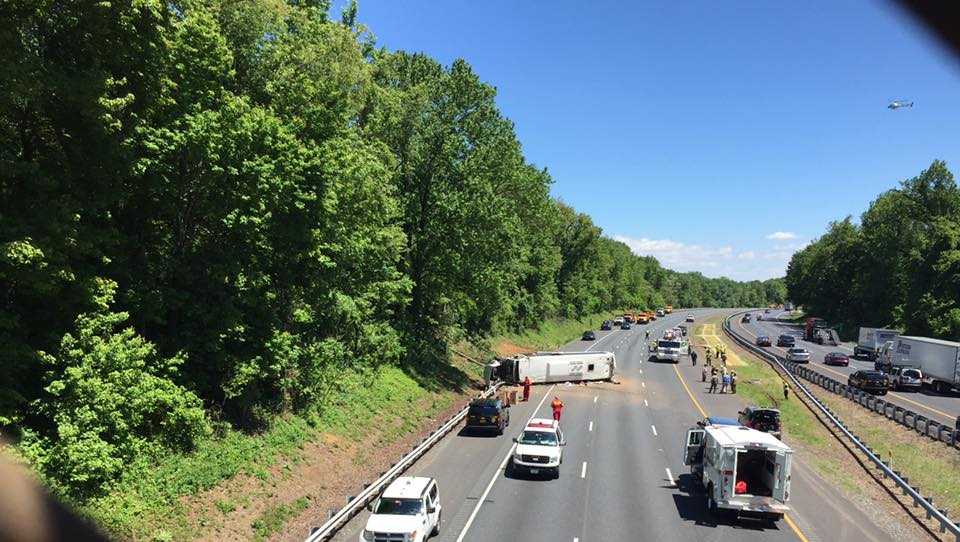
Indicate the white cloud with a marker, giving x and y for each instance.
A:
(712, 261)
(782, 235)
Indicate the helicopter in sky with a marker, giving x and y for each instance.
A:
(897, 104)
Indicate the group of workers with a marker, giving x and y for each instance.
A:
(727, 380)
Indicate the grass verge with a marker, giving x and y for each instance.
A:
(148, 503)
(930, 465)
(553, 334)
(274, 518)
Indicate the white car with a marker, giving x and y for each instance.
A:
(798, 355)
(407, 511)
(690, 318)
(539, 448)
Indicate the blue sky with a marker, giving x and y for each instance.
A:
(717, 136)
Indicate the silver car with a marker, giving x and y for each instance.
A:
(798, 355)
(906, 378)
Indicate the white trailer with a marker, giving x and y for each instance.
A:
(742, 469)
(871, 339)
(543, 367)
(938, 360)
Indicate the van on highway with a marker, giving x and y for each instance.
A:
(408, 510)
(742, 470)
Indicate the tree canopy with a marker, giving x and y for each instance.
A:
(899, 267)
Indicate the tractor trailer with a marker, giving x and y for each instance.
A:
(870, 340)
(938, 360)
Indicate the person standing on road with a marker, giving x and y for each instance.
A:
(733, 381)
(725, 383)
(713, 383)
(786, 390)
(723, 357)
(703, 374)
(646, 336)
(526, 389)
(557, 406)
(693, 357)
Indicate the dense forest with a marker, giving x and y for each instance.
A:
(209, 209)
(899, 267)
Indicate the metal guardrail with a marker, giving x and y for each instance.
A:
(791, 370)
(370, 491)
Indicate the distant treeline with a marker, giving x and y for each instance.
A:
(211, 209)
(899, 267)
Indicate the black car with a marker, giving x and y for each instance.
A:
(625, 325)
(870, 381)
(761, 419)
(607, 325)
(745, 319)
(788, 341)
(488, 414)
(763, 340)
(588, 336)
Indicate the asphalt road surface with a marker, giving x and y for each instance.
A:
(943, 408)
(622, 476)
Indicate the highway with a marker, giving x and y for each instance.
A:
(940, 407)
(622, 476)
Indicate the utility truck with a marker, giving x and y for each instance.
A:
(870, 340)
(938, 360)
(545, 367)
(741, 470)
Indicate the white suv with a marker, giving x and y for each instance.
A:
(539, 448)
(407, 511)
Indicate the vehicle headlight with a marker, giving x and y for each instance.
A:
(367, 535)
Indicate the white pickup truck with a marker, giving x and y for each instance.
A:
(407, 511)
(742, 470)
(539, 448)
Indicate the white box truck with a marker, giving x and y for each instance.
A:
(544, 367)
(870, 340)
(742, 469)
(938, 360)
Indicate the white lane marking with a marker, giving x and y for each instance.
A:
(643, 384)
(641, 371)
(654, 427)
(670, 477)
(595, 397)
(575, 539)
(645, 403)
(591, 426)
(496, 473)
(583, 470)
(600, 340)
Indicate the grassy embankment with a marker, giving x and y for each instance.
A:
(155, 501)
(933, 467)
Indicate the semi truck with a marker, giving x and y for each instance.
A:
(870, 340)
(548, 367)
(938, 360)
(743, 470)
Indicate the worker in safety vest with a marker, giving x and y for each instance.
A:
(557, 406)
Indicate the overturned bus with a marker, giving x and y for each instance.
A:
(547, 367)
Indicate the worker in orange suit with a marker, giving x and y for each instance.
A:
(557, 406)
